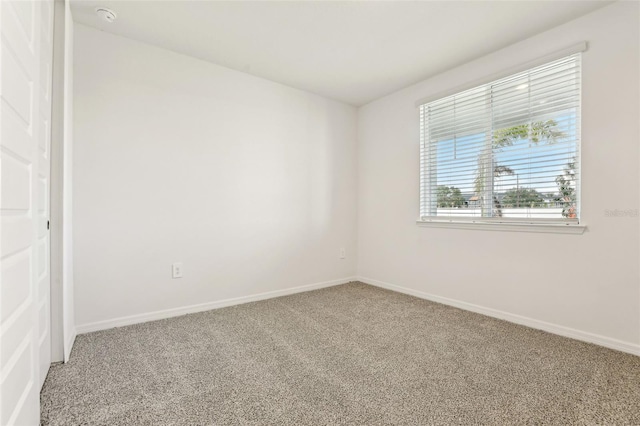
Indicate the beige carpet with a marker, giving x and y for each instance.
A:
(352, 354)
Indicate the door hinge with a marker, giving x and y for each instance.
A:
(47, 224)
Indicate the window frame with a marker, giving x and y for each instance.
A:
(552, 225)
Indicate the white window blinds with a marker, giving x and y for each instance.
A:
(506, 150)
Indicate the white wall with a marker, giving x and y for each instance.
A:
(582, 285)
(249, 183)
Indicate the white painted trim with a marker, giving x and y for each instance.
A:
(56, 186)
(548, 228)
(560, 330)
(69, 346)
(174, 312)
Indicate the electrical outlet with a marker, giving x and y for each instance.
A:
(176, 270)
(343, 253)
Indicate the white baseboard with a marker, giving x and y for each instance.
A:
(174, 312)
(69, 346)
(584, 336)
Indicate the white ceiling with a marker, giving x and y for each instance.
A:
(351, 51)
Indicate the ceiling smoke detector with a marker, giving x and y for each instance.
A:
(105, 14)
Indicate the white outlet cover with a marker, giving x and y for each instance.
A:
(176, 270)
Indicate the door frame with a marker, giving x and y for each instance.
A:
(63, 331)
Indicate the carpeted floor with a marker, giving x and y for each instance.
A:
(352, 354)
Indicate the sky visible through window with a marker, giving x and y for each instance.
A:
(535, 166)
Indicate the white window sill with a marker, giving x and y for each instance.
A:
(555, 228)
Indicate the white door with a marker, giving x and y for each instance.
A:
(25, 87)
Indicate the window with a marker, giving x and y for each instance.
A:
(506, 151)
